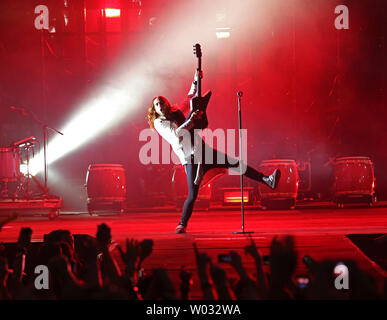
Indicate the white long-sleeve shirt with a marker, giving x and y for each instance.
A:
(178, 137)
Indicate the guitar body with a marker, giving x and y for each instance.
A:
(211, 175)
(201, 103)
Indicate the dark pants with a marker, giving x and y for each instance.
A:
(193, 190)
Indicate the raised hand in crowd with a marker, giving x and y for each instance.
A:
(15, 281)
(109, 267)
(65, 240)
(202, 262)
(283, 260)
(245, 288)
(130, 257)
(219, 278)
(4, 273)
(160, 287)
(185, 283)
(145, 250)
(65, 284)
(24, 239)
(134, 277)
(104, 237)
(87, 252)
(261, 280)
(22, 245)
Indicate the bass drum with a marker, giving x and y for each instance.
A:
(106, 187)
(285, 194)
(353, 180)
(9, 164)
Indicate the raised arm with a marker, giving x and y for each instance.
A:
(202, 260)
(185, 104)
(261, 281)
(108, 263)
(189, 124)
(194, 85)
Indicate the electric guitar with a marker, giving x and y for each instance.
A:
(198, 102)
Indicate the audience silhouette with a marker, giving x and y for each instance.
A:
(89, 269)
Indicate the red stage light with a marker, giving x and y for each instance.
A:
(235, 197)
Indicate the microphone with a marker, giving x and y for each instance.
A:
(240, 94)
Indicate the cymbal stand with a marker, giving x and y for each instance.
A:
(45, 141)
(26, 179)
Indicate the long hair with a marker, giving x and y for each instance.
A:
(152, 115)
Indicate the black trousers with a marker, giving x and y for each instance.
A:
(220, 160)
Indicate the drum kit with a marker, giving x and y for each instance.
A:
(12, 158)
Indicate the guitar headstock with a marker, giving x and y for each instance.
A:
(197, 50)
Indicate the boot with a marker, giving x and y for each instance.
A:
(180, 228)
(273, 179)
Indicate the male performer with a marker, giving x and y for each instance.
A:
(177, 130)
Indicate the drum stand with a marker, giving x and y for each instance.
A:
(45, 138)
(24, 187)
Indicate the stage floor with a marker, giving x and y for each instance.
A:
(319, 230)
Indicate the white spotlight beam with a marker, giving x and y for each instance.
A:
(137, 77)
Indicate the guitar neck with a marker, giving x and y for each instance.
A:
(198, 53)
(199, 84)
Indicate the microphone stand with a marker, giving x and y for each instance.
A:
(45, 136)
(240, 94)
